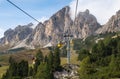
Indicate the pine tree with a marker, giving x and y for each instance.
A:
(12, 70)
(50, 61)
(45, 59)
(43, 72)
(11, 60)
(39, 55)
(30, 73)
(114, 67)
(118, 47)
(39, 59)
(101, 48)
(86, 69)
(57, 59)
(83, 54)
(23, 69)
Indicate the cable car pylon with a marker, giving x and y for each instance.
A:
(69, 36)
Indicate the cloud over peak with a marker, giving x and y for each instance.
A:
(102, 9)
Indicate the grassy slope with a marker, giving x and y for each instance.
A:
(73, 59)
(26, 55)
(4, 59)
(3, 70)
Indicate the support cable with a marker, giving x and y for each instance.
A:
(22, 10)
(76, 9)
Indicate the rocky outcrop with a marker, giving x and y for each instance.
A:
(69, 72)
(13, 37)
(113, 25)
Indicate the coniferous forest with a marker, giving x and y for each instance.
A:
(42, 69)
(101, 61)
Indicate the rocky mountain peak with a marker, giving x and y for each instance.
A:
(7, 32)
(118, 12)
(113, 25)
(87, 11)
(61, 12)
(85, 25)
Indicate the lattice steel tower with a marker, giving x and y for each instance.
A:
(68, 35)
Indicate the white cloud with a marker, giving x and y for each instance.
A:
(40, 20)
(102, 9)
(43, 19)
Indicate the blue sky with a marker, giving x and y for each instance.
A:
(10, 16)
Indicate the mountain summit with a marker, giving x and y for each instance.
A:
(113, 25)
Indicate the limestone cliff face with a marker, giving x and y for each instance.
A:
(85, 25)
(58, 24)
(113, 25)
(52, 30)
(37, 37)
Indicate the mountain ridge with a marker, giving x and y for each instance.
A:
(52, 30)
